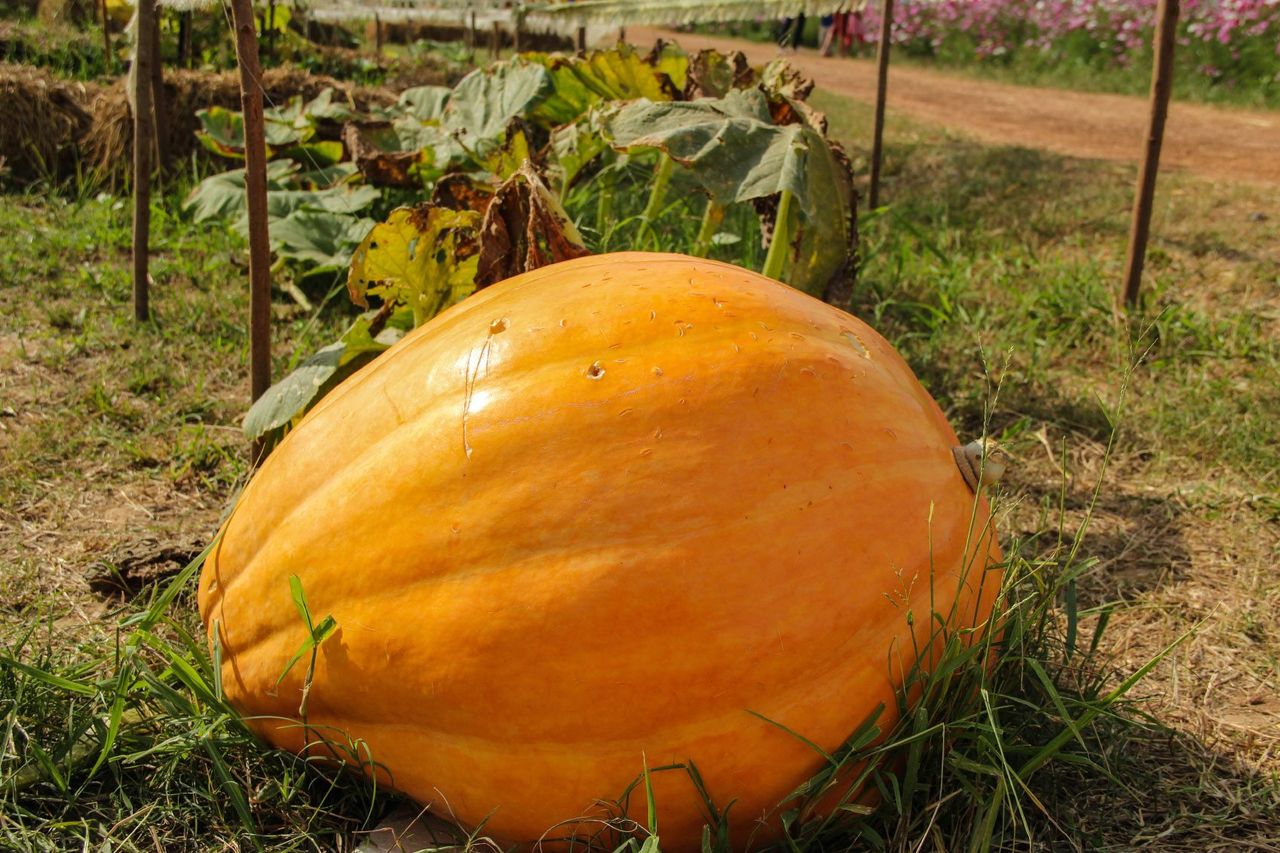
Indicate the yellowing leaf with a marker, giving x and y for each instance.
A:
(424, 257)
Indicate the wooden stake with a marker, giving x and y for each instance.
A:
(255, 167)
(106, 38)
(472, 39)
(184, 39)
(882, 87)
(143, 126)
(271, 28)
(1161, 84)
(582, 40)
(496, 44)
(516, 20)
(158, 113)
(377, 34)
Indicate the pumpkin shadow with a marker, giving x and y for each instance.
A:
(1137, 540)
(1024, 192)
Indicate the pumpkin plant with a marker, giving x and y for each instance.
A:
(632, 511)
(569, 130)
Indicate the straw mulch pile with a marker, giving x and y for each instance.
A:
(109, 140)
(53, 128)
(41, 121)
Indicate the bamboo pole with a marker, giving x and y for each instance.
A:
(882, 87)
(255, 157)
(143, 125)
(106, 38)
(1144, 194)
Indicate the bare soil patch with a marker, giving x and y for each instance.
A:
(1211, 142)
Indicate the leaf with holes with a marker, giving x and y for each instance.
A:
(424, 257)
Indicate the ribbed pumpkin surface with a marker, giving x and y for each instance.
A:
(591, 517)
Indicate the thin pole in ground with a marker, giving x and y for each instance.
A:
(106, 38)
(255, 167)
(1144, 195)
(271, 28)
(882, 87)
(184, 39)
(471, 38)
(158, 113)
(581, 40)
(143, 125)
(495, 44)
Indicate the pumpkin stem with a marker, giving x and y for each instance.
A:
(976, 466)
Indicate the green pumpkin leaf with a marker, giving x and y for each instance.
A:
(323, 106)
(425, 103)
(315, 154)
(285, 402)
(287, 125)
(318, 238)
(732, 148)
(222, 196)
(573, 146)
(221, 131)
(326, 176)
(486, 100)
(343, 199)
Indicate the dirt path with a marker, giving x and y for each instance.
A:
(1224, 144)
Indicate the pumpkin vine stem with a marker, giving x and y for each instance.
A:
(783, 226)
(607, 181)
(658, 194)
(712, 218)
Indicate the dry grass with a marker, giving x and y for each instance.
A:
(108, 142)
(43, 117)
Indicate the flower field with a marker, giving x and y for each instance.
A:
(1226, 48)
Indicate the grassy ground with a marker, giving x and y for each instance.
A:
(1003, 263)
(119, 447)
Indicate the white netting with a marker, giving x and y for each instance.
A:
(560, 14)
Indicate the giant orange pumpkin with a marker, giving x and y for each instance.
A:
(590, 519)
